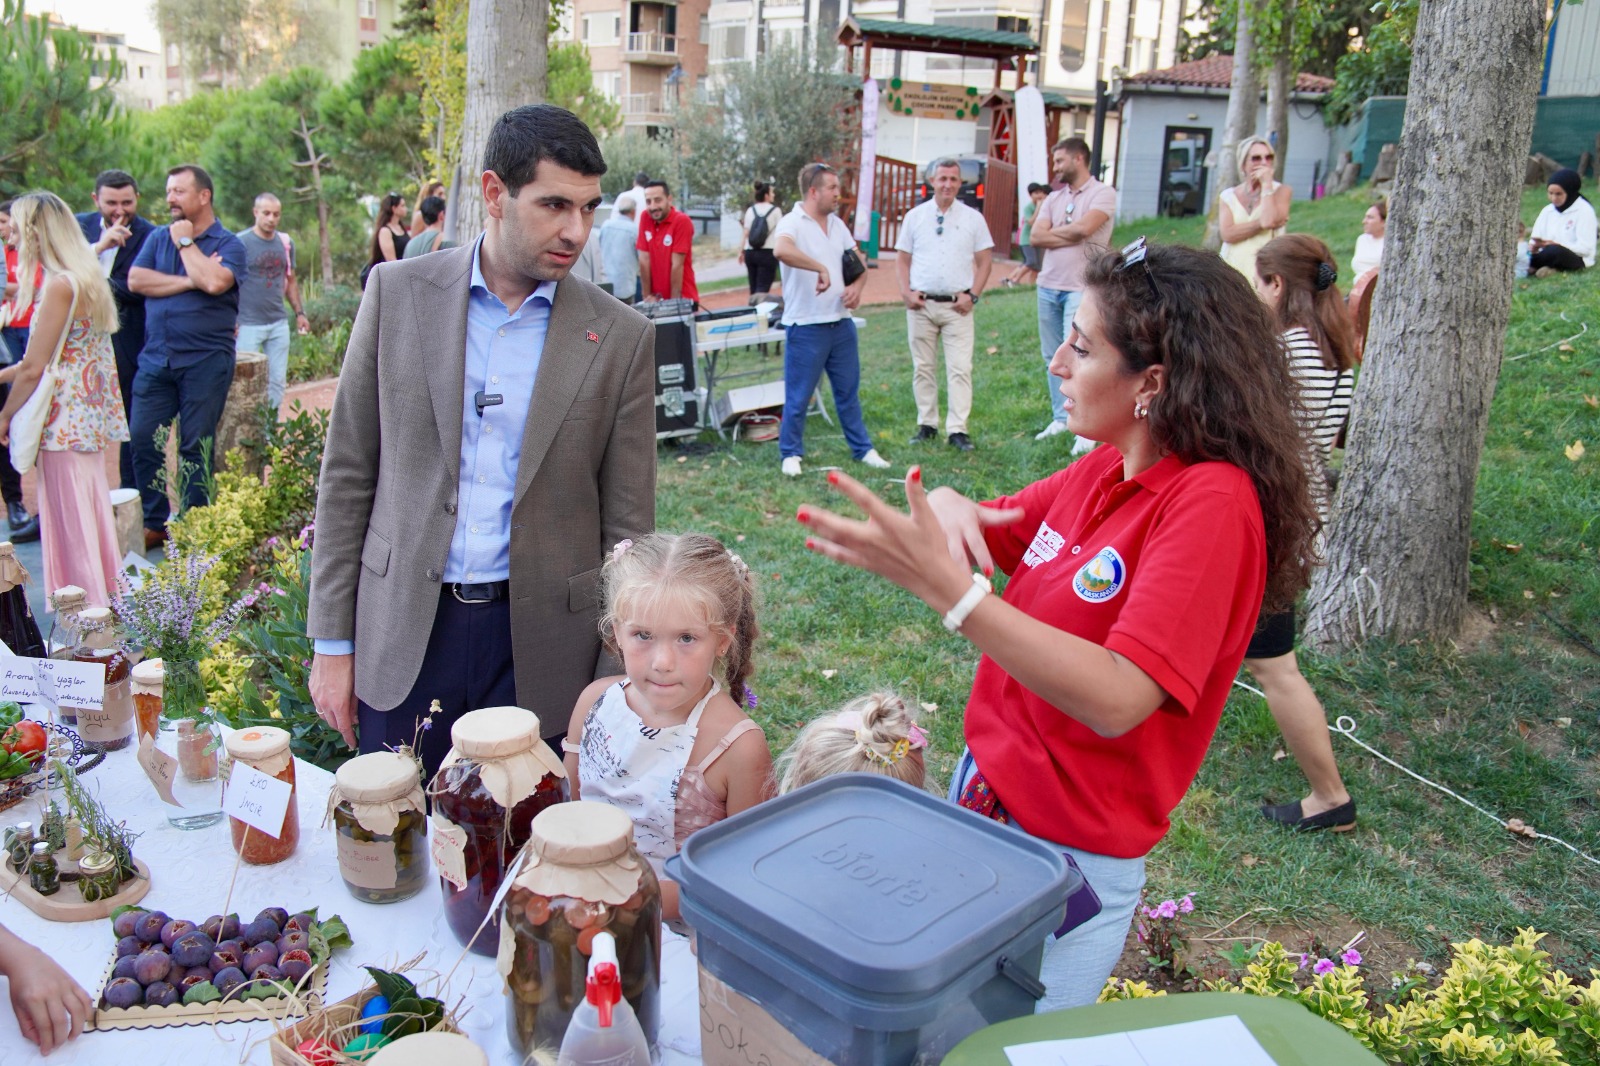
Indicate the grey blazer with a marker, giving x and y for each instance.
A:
(386, 510)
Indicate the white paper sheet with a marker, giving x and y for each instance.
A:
(1211, 1042)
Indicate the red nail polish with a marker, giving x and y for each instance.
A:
(988, 571)
(802, 515)
(916, 474)
(833, 477)
(811, 544)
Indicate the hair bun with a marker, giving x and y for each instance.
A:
(1327, 274)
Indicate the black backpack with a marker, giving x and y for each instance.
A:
(758, 229)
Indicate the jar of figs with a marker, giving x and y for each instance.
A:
(379, 816)
(265, 748)
(580, 874)
(145, 683)
(497, 776)
(106, 725)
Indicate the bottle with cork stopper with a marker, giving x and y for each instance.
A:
(108, 725)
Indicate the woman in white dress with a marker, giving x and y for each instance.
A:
(1254, 211)
(1369, 246)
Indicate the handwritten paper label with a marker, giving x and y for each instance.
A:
(449, 848)
(106, 723)
(367, 865)
(160, 768)
(257, 800)
(71, 684)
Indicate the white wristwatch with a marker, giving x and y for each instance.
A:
(956, 616)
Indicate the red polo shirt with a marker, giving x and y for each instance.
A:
(22, 317)
(1167, 570)
(662, 242)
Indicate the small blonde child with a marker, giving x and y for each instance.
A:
(668, 741)
(871, 734)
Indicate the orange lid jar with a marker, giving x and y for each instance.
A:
(265, 748)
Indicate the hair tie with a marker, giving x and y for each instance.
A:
(621, 549)
(1327, 274)
(739, 565)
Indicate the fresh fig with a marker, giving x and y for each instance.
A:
(224, 957)
(174, 929)
(266, 973)
(228, 979)
(303, 922)
(198, 976)
(123, 992)
(122, 925)
(293, 941)
(262, 929)
(149, 925)
(277, 914)
(295, 964)
(125, 967)
(151, 966)
(264, 954)
(161, 994)
(193, 948)
(129, 945)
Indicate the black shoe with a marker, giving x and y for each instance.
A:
(24, 526)
(924, 433)
(961, 442)
(1340, 819)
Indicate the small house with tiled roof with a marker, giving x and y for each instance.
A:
(1172, 121)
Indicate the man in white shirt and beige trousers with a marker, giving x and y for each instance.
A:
(944, 262)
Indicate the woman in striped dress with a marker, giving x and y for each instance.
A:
(1295, 277)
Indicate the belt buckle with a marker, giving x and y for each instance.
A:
(455, 590)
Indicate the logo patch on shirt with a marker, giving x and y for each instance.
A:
(1100, 578)
(1046, 545)
(666, 242)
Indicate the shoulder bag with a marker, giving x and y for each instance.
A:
(27, 425)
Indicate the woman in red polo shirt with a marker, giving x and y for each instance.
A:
(1136, 575)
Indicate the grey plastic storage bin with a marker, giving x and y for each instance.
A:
(877, 923)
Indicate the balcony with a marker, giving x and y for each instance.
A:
(643, 109)
(656, 49)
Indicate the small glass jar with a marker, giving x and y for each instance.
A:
(43, 874)
(65, 635)
(147, 679)
(497, 776)
(107, 726)
(98, 878)
(266, 748)
(379, 816)
(581, 874)
(185, 734)
(19, 846)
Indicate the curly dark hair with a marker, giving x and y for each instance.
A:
(1228, 396)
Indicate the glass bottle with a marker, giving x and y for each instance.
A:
(17, 626)
(107, 726)
(497, 776)
(19, 846)
(381, 825)
(65, 635)
(582, 874)
(266, 748)
(98, 879)
(190, 738)
(43, 874)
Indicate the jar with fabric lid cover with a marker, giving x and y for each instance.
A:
(581, 874)
(379, 816)
(108, 724)
(265, 748)
(498, 775)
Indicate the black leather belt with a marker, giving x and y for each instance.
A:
(939, 299)
(481, 592)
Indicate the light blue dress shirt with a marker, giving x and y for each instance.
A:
(504, 349)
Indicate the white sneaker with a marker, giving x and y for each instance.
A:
(1083, 446)
(791, 466)
(1054, 429)
(874, 460)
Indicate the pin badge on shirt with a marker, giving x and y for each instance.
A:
(594, 338)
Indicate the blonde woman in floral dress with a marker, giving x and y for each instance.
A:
(77, 530)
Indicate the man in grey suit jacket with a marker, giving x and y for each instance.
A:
(493, 435)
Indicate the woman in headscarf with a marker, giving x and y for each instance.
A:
(1563, 237)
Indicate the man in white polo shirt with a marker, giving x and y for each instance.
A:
(944, 264)
(819, 333)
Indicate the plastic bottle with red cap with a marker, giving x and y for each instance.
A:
(604, 1031)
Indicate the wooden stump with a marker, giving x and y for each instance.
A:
(240, 423)
(1540, 167)
(128, 512)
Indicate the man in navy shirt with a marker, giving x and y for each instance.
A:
(187, 274)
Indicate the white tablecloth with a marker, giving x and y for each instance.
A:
(189, 879)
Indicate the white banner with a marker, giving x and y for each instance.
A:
(869, 160)
(1033, 155)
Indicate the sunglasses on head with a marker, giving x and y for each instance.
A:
(1133, 255)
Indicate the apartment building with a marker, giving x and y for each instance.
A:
(140, 88)
(648, 55)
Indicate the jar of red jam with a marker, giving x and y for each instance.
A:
(108, 724)
(148, 678)
(581, 874)
(265, 748)
(497, 776)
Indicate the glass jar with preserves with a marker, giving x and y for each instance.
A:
(69, 602)
(98, 878)
(380, 817)
(580, 874)
(44, 877)
(145, 684)
(497, 776)
(108, 724)
(266, 748)
(19, 846)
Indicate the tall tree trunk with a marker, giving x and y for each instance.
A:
(313, 162)
(1280, 83)
(507, 66)
(1398, 555)
(1244, 103)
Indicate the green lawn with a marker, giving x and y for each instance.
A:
(1508, 719)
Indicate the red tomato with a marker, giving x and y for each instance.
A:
(25, 737)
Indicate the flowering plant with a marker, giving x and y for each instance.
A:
(164, 614)
(1160, 931)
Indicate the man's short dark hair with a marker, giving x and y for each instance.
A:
(1038, 186)
(1074, 146)
(432, 208)
(641, 179)
(114, 179)
(526, 136)
(5, 207)
(202, 180)
(658, 183)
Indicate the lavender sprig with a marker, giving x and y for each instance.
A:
(163, 615)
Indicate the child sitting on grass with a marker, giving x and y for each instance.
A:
(872, 734)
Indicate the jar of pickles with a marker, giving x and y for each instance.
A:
(266, 748)
(497, 776)
(580, 874)
(379, 815)
(145, 683)
(108, 724)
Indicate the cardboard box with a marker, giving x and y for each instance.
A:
(735, 1031)
(735, 402)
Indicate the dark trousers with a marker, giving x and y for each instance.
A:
(761, 264)
(126, 343)
(16, 342)
(195, 395)
(1556, 256)
(467, 666)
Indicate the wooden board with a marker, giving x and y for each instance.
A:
(278, 1009)
(67, 905)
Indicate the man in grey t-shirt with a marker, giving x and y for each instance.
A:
(268, 281)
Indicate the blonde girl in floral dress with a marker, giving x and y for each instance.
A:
(77, 530)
